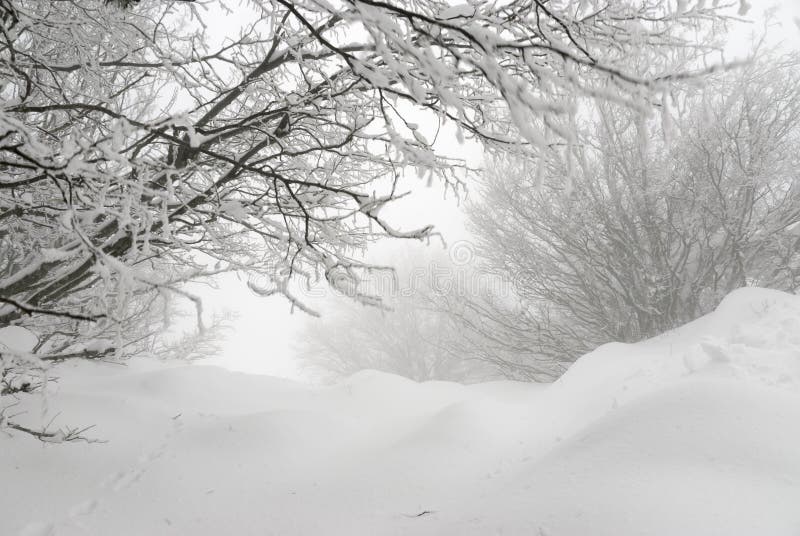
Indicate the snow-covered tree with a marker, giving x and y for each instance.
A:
(409, 335)
(407, 339)
(662, 221)
(140, 149)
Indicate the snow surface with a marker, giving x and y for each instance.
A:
(694, 432)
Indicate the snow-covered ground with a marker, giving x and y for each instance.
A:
(694, 432)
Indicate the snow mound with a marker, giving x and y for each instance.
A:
(692, 432)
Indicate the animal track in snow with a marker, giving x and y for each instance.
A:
(116, 483)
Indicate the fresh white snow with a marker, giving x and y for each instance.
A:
(694, 432)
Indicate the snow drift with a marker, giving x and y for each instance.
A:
(694, 432)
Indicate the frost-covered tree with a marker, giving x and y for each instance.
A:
(139, 149)
(408, 336)
(661, 221)
(407, 339)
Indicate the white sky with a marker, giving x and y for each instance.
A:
(262, 340)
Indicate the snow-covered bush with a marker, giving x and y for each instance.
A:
(407, 339)
(661, 221)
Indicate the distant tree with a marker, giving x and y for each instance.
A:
(138, 151)
(656, 224)
(408, 336)
(407, 339)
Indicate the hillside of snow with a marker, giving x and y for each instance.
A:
(695, 432)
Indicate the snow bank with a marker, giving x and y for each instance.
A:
(693, 432)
